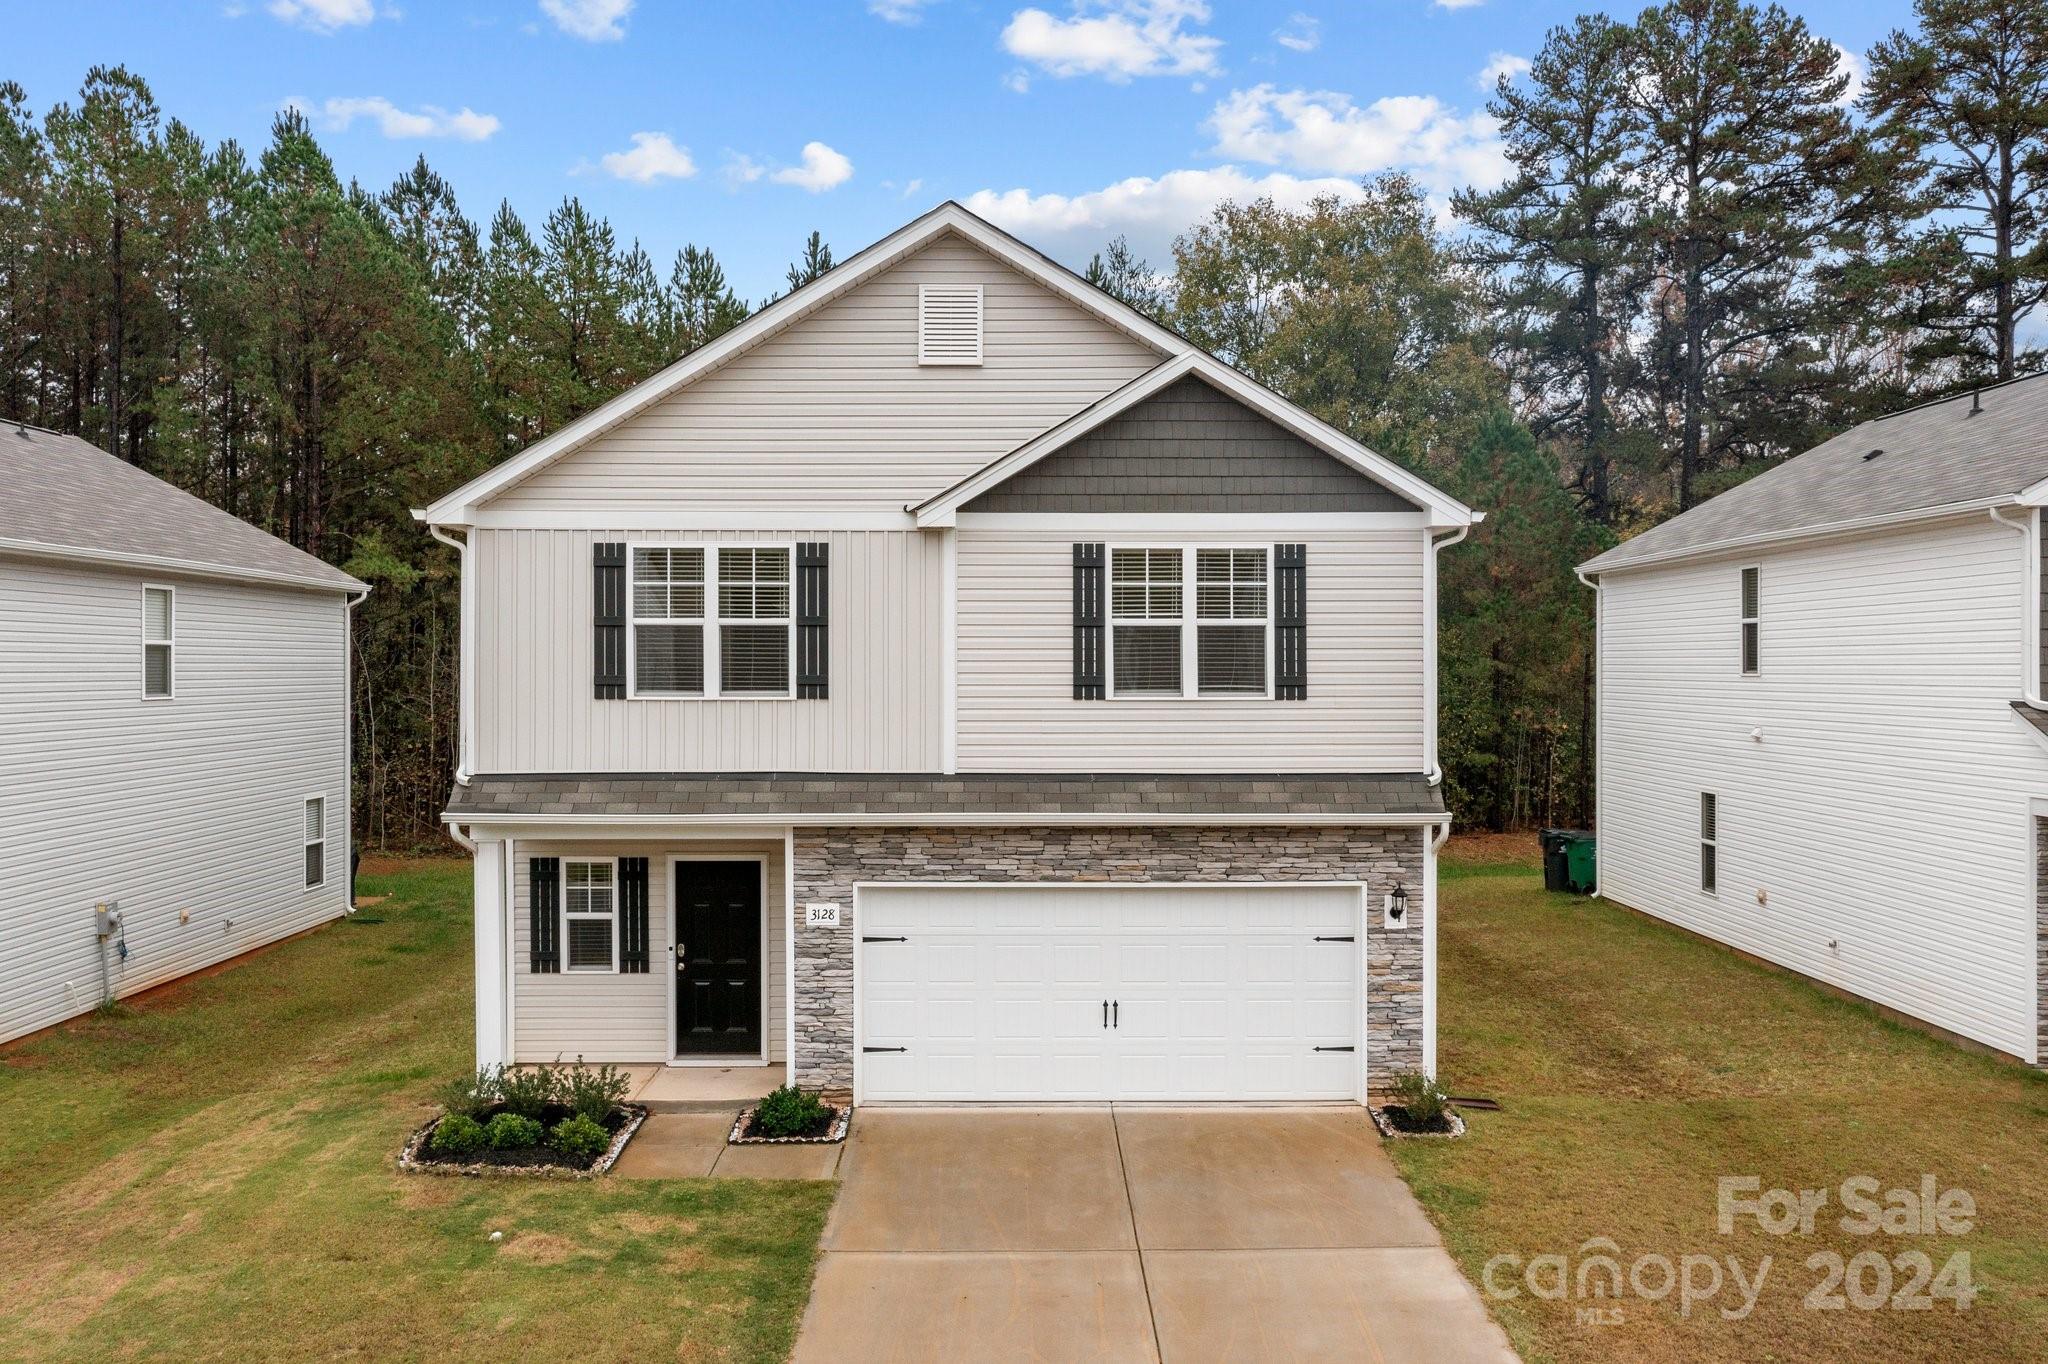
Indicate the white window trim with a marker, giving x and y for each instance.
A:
(1713, 843)
(320, 842)
(1190, 658)
(1749, 621)
(563, 916)
(169, 644)
(710, 620)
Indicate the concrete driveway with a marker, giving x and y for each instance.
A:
(1133, 1234)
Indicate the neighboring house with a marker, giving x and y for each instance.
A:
(1822, 732)
(956, 686)
(174, 743)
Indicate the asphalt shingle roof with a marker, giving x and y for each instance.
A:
(60, 493)
(783, 795)
(1936, 455)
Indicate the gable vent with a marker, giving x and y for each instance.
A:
(949, 324)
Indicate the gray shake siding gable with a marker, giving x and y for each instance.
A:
(829, 863)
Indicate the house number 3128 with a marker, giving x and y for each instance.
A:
(821, 916)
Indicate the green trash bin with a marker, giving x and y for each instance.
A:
(1579, 864)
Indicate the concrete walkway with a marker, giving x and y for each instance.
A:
(1133, 1234)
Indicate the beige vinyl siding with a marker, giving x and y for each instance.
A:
(1365, 651)
(536, 713)
(835, 413)
(618, 1017)
(1885, 807)
(194, 803)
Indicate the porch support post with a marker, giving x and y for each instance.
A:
(493, 1046)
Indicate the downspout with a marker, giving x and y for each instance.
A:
(455, 832)
(349, 603)
(2030, 595)
(1433, 770)
(466, 710)
(1599, 710)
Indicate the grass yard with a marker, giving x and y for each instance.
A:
(209, 1176)
(1636, 1065)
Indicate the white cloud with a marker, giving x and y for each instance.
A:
(822, 169)
(654, 156)
(464, 125)
(1018, 81)
(1323, 131)
(323, 16)
(1301, 33)
(741, 169)
(1458, 4)
(594, 21)
(899, 11)
(913, 187)
(1149, 211)
(1115, 39)
(1853, 66)
(1498, 65)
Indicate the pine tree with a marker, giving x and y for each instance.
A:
(1119, 272)
(706, 307)
(815, 261)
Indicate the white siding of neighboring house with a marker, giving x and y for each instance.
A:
(190, 804)
(1364, 711)
(535, 706)
(619, 1017)
(835, 413)
(1886, 807)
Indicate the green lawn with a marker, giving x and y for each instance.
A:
(209, 1176)
(1635, 1065)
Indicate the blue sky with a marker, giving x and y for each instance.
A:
(743, 125)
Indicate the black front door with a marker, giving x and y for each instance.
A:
(718, 958)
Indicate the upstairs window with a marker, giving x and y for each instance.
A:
(1751, 620)
(949, 324)
(1190, 621)
(159, 638)
(1709, 842)
(590, 913)
(710, 622)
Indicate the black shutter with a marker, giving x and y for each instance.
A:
(1290, 622)
(608, 615)
(812, 592)
(633, 915)
(1089, 570)
(544, 919)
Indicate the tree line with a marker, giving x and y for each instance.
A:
(1708, 256)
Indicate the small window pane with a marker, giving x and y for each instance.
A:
(753, 658)
(156, 670)
(1706, 866)
(1749, 593)
(668, 583)
(590, 944)
(1230, 584)
(316, 863)
(1148, 659)
(316, 819)
(668, 659)
(1231, 659)
(1749, 646)
(156, 613)
(753, 583)
(1707, 819)
(1145, 584)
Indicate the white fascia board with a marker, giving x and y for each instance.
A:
(460, 507)
(1268, 524)
(628, 518)
(1443, 512)
(655, 826)
(1829, 530)
(2034, 495)
(190, 568)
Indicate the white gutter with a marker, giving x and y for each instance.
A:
(911, 819)
(465, 738)
(191, 568)
(455, 832)
(1741, 542)
(2030, 595)
(1433, 771)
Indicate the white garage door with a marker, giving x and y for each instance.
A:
(1092, 993)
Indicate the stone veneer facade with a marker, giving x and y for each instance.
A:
(829, 862)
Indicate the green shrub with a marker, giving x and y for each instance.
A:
(473, 1097)
(529, 1092)
(510, 1132)
(577, 1135)
(594, 1093)
(457, 1135)
(1421, 1097)
(790, 1112)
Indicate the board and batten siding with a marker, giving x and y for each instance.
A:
(1364, 711)
(835, 413)
(535, 707)
(601, 1016)
(1885, 808)
(191, 805)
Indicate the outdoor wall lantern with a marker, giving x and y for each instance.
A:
(1397, 907)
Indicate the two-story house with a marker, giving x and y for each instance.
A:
(1822, 724)
(174, 732)
(955, 686)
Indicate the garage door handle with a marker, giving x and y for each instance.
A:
(1116, 1007)
(868, 939)
(885, 1049)
(1105, 1013)
(1346, 938)
(1336, 1049)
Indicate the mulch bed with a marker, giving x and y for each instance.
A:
(746, 1132)
(541, 1162)
(1393, 1121)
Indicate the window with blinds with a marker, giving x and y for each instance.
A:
(1230, 586)
(1190, 621)
(590, 914)
(710, 622)
(316, 841)
(1709, 839)
(159, 638)
(1752, 619)
(1145, 586)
